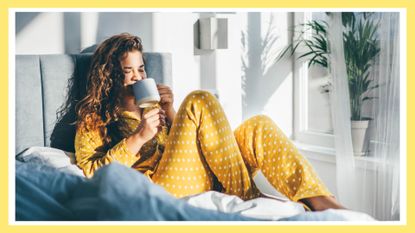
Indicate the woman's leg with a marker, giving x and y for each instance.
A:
(322, 202)
(265, 147)
(200, 146)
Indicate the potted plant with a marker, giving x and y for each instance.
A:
(361, 48)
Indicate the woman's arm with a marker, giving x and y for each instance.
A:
(90, 155)
(89, 143)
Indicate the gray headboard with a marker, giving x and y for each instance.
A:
(41, 88)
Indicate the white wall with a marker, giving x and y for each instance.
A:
(173, 33)
(43, 34)
(325, 165)
(278, 76)
(227, 73)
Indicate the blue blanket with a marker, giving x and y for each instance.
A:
(115, 193)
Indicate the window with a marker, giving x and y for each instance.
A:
(312, 116)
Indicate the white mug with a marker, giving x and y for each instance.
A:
(146, 93)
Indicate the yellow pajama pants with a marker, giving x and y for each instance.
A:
(201, 147)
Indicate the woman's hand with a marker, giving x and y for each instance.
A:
(150, 124)
(166, 97)
(166, 101)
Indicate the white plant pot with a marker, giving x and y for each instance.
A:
(359, 129)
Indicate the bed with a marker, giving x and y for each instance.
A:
(50, 187)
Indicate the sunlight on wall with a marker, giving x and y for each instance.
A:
(166, 38)
(89, 24)
(42, 35)
(267, 81)
(280, 106)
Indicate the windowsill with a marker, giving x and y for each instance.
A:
(319, 153)
(328, 155)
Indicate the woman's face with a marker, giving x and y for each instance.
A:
(132, 66)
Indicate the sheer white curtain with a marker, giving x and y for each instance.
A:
(340, 103)
(386, 123)
(373, 186)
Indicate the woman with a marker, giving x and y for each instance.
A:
(188, 152)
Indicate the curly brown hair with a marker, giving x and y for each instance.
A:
(100, 108)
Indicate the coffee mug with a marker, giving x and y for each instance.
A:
(146, 93)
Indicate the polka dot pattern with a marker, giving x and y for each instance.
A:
(265, 147)
(201, 146)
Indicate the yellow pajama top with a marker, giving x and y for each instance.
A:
(90, 154)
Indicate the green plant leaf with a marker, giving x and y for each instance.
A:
(369, 98)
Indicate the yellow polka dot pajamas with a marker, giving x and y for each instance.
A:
(201, 148)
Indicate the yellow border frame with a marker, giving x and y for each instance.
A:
(409, 5)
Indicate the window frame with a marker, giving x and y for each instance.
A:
(302, 133)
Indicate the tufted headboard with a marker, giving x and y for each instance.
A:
(41, 88)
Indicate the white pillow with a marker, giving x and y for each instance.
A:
(62, 160)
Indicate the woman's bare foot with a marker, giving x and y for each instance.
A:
(320, 203)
